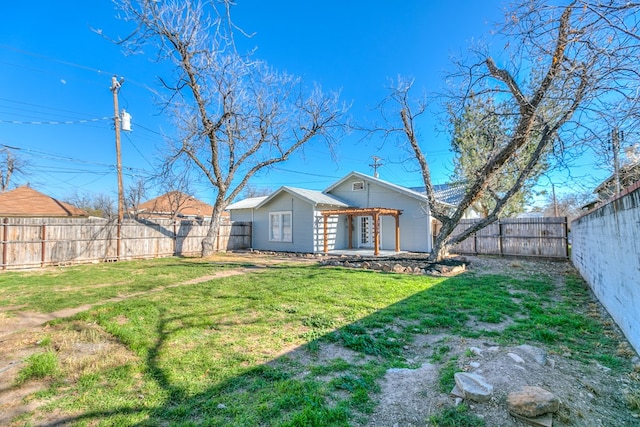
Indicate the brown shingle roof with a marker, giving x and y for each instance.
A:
(25, 201)
(175, 202)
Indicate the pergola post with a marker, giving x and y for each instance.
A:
(350, 226)
(376, 235)
(397, 217)
(326, 235)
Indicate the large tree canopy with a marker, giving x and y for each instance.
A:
(566, 75)
(236, 115)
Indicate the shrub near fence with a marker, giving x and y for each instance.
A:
(35, 242)
(536, 237)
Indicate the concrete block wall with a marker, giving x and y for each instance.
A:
(606, 251)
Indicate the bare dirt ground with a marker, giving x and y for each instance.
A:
(590, 394)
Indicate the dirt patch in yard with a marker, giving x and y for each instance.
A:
(590, 394)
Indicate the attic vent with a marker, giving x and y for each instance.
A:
(357, 186)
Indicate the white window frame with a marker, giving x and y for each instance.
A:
(281, 233)
(357, 186)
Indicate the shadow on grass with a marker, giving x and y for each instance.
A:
(298, 388)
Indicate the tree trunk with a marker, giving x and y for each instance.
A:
(209, 242)
(440, 245)
(439, 250)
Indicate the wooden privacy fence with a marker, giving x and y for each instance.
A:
(38, 242)
(536, 237)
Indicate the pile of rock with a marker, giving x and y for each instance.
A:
(531, 404)
(407, 264)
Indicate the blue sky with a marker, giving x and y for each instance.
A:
(54, 68)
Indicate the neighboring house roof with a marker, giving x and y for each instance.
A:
(248, 203)
(449, 194)
(404, 190)
(628, 175)
(312, 196)
(25, 201)
(175, 203)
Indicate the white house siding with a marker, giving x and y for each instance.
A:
(243, 215)
(415, 233)
(336, 233)
(301, 223)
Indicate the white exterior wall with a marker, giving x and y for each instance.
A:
(415, 230)
(336, 232)
(244, 215)
(606, 251)
(302, 227)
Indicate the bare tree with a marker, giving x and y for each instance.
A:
(97, 204)
(571, 73)
(236, 115)
(9, 166)
(176, 185)
(134, 196)
(253, 191)
(569, 205)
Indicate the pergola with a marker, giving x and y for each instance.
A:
(373, 212)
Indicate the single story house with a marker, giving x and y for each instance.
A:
(174, 205)
(27, 202)
(356, 212)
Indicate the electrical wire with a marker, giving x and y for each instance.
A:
(68, 122)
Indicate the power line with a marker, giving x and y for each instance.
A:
(43, 106)
(138, 150)
(52, 59)
(69, 63)
(67, 122)
(58, 157)
(306, 173)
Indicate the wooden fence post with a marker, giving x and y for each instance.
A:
(5, 236)
(565, 225)
(43, 241)
(475, 243)
(218, 237)
(175, 238)
(118, 238)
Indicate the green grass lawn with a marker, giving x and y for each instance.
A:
(245, 350)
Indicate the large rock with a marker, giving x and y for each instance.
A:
(532, 402)
(535, 353)
(473, 386)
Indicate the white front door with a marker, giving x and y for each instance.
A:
(365, 232)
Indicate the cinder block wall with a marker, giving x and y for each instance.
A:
(606, 251)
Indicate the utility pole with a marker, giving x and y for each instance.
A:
(555, 201)
(616, 135)
(375, 165)
(115, 88)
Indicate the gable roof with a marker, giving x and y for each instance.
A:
(313, 197)
(25, 201)
(403, 190)
(175, 202)
(448, 194)
(628, 175)
(248, 203)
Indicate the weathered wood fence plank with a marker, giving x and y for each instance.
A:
(34, 242)
(535, 237)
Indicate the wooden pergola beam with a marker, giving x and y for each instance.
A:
(362, 211)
